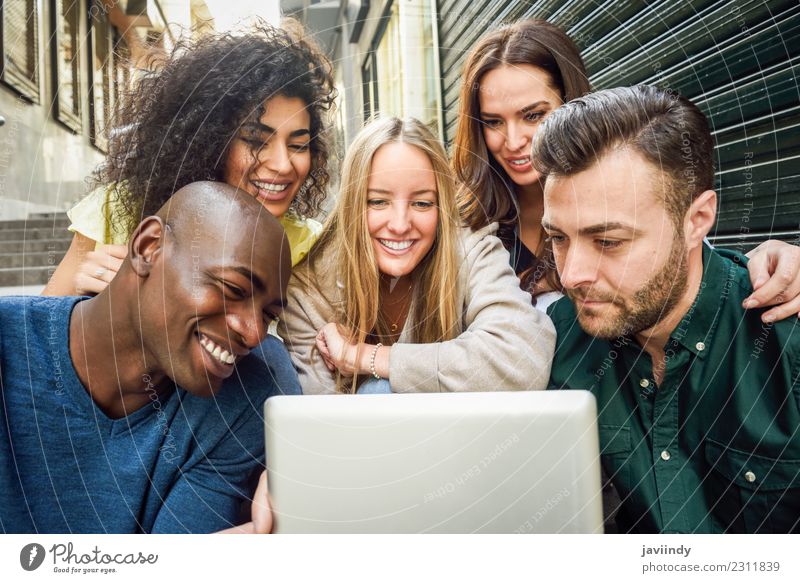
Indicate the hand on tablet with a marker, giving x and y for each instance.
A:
(260, 513)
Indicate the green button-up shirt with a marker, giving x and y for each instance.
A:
(716, 446)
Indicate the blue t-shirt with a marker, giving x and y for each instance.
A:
(180, 464)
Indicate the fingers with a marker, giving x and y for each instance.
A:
(102, 259)
(117, 251)
(782, 311)
(88, 285)
(758, 267)
(261, 513)
(98, 269)
(322, 347)
(774, 269)
(782, 286)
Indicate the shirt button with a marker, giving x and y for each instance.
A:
(644, 383)
(665, 456)
(700, 346)
(750, 476)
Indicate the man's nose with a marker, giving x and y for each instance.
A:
(576, 267)
(249, 325)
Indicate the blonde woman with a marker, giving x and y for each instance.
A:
(397, 289)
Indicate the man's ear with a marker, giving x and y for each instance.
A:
(146, 245)
(700, 218)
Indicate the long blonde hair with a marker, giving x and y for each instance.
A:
(436, 315)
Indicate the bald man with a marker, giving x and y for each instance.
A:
(139, 410)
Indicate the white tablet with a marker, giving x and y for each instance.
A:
(501, 462)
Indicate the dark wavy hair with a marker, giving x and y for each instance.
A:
(176, 124)
(487, 193)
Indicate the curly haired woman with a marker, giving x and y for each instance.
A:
(247, 110)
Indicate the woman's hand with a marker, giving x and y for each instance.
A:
(351, 359)
(337, 352)
(99, 268)
(774, 268)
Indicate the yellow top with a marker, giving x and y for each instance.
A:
(91, 217)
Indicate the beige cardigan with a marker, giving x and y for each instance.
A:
(505, 343)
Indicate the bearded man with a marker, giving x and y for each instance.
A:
(698, 400)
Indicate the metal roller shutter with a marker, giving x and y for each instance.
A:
(738, 60)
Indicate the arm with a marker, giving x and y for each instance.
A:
(208, 494)
(304, 315)
(507, 343)
(62, 282)
(84, 271)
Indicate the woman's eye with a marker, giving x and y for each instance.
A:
(300, 147)
(377, 203)
(534, 116)
(254, 143)
(491, 123)
(555, 239)
(422, 205)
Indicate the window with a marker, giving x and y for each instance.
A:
(101, 98)
(67, 59)
(122, 69)
(20, 41)
(369, 77)
(400, 73)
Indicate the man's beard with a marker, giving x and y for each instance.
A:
(649, 305)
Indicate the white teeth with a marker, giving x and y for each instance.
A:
(272, 187)
(216, 351)
(520, 162)
(396, 245)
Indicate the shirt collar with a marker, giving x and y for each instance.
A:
(697, 327)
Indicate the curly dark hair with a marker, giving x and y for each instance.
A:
(176, 124)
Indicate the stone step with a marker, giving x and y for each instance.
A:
(35, 246)
(27, 260)
(35, 233)
(49, 216)
(55, 224)
(28, 276)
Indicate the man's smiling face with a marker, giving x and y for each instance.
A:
(221, 277)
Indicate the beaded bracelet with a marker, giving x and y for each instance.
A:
(372, 362)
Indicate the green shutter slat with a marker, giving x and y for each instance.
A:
(761, 96)
(774, 205)
(735, 61)
(690, 42)
(640, 34)
(602, 20)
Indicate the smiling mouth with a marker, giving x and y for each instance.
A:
(520, 162)
(270, 191)
(219, 354)
(397, 246)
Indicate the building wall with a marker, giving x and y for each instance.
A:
(737, 59)
(348, 58)
(43, 164)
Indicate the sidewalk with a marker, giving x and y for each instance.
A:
(21, 290)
